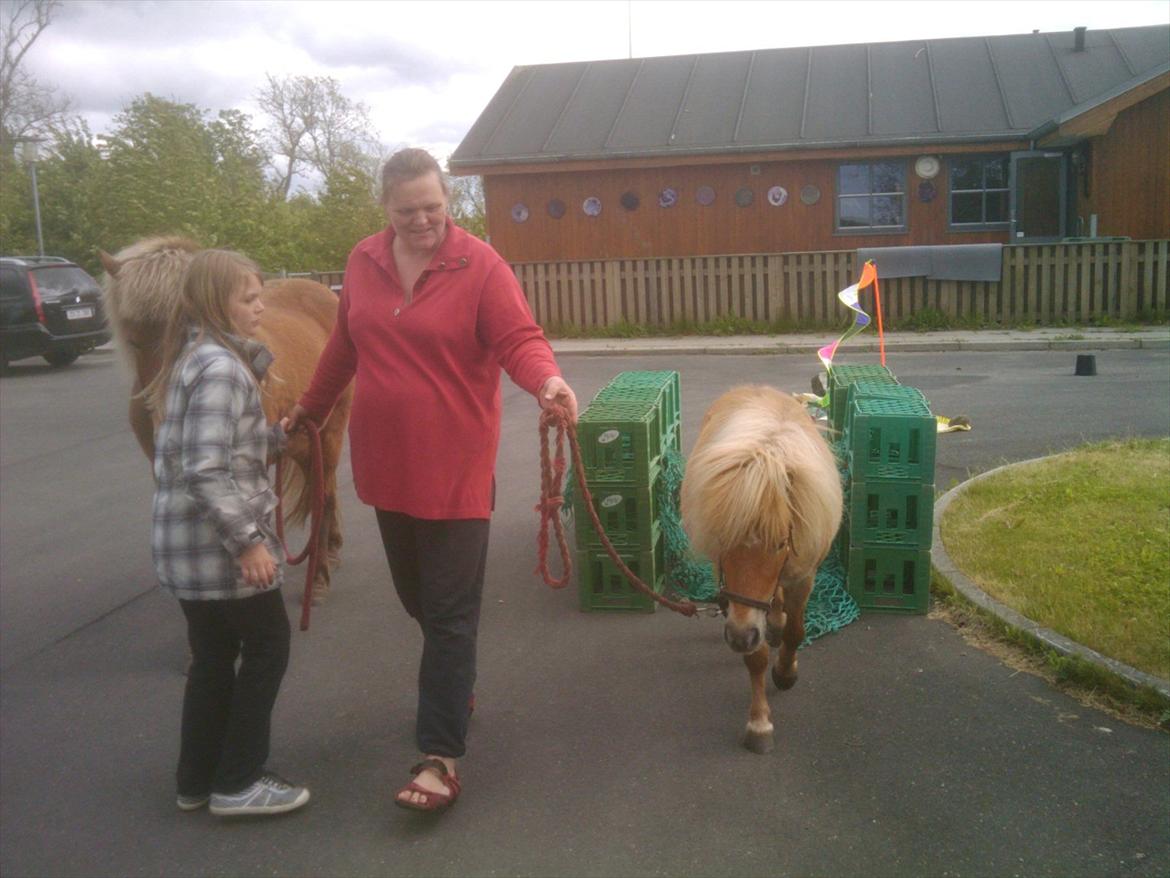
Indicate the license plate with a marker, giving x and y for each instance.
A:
(78, 313)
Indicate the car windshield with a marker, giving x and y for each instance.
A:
(60, 279)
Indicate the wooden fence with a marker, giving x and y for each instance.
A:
(1040, 284)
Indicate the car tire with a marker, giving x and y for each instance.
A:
(57, 359)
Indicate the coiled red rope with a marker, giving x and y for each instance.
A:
(312, 548)
(552, 472)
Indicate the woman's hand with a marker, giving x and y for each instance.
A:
(556, 391)
(258, 565)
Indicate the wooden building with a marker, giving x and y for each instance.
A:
(992, 140)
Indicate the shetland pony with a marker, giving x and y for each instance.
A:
(140, 286)
(761, 498)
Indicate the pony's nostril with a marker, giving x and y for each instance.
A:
(742, 640)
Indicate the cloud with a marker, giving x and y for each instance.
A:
(427, 70)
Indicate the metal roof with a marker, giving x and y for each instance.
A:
(921, 91)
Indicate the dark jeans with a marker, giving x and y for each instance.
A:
(438, 569)
(227, 713)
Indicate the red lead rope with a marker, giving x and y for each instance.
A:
(551, 477)
(312, 548)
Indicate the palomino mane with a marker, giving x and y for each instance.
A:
(759, 475)
(140, 296)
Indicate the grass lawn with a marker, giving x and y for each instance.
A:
(1079, 543)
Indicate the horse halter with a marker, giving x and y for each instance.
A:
(724, 597)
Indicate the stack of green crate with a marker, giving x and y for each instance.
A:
(622, 435)
(841, 380)
(889, 448)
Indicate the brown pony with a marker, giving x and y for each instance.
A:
(762, 499)
(141, 284)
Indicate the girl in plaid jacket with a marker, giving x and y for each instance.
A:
(214, 540)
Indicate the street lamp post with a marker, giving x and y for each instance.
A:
(29, 152)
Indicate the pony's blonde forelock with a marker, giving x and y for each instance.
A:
(761, 474)
(142, 295)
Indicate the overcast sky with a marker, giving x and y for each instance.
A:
(427, 69)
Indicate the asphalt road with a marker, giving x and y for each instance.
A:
(601, 744)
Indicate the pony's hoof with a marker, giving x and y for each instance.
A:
(320, 593)
(758, 742)
(783, 681)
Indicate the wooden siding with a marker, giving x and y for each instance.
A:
(688, 228)
(1129, 176)
(1040, 284)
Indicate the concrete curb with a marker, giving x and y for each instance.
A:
(763, 346)
(773, 345)
(968, 589)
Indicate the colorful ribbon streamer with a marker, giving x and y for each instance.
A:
(849, 297)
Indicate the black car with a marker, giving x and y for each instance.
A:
(49, 307)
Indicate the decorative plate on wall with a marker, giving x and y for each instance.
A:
(777, 195)
(810, 194)
(519, 212)
(668, 197)
(592, 206)
(705, 195)
(926, 167)
(556, 208)
(630, 201)
(744, 197)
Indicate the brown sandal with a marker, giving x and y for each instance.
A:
(433, 801)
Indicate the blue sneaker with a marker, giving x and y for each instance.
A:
(268, 795)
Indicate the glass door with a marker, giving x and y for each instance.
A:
(1038, 196)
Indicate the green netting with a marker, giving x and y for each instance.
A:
(830, 606)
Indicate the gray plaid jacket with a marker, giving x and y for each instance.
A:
(210, 464)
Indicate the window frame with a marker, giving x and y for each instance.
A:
(1006, 189)
(904, 195)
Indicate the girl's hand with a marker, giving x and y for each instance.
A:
(258, 565)
(292, 420)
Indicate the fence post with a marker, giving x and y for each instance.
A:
(1127, 281)
(613, 292)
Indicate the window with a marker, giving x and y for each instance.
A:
(979, 191)
(871, 197)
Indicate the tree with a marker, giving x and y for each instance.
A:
(160, 173)
(345, 212)
(314, 127)
(28, 108)
(466, 205)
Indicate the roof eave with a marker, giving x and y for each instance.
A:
(473, 165)
(1149, 78)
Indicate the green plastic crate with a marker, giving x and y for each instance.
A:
(628, 514)
(891, 438)
(601, 586)
(620, 441)
(891, 513)
(889, 580)
(672, 441)
(883, 390)
(841, 378)
(661, 389)
(841, 541)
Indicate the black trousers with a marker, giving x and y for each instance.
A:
(227, 713)
(438, 571)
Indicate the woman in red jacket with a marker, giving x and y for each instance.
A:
(428, 316)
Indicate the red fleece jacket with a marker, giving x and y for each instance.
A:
(425, 425)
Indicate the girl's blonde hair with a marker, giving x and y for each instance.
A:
(203, 303)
